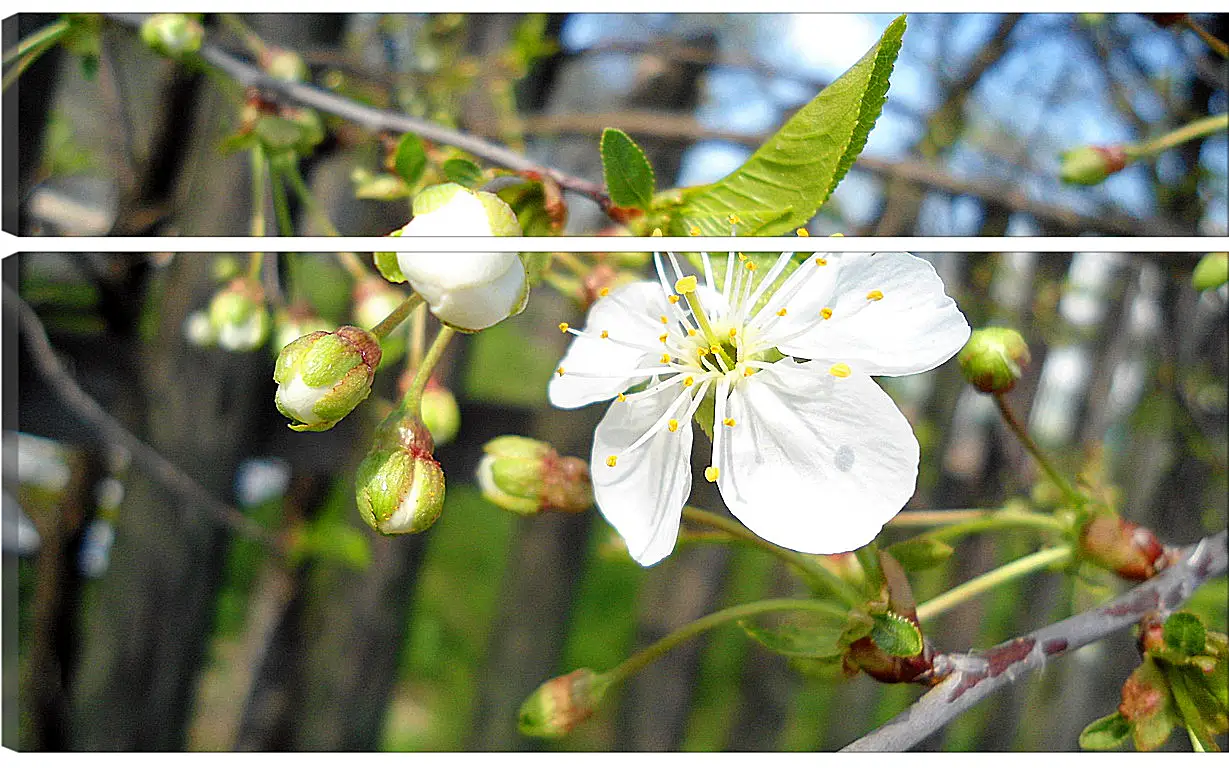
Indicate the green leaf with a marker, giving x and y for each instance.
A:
(799, 637)
(629, 177)
(388, 266)
(787, 179)
(1191, 706)
(920, 553)
(1109, 732)
(1185, 633)
(411, 159)
(896, 635)
(463, 172)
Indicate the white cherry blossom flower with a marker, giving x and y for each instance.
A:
(807, 451)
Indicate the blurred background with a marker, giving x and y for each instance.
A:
(147, 620)
(980, 107)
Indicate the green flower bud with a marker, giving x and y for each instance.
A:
(1211, 272)
(172, 34)
(993, 359)
(285, 65)
(1091, 165)
(561, 704)
(400, 485)
(323, 376)
(238, 315)
(527, 477)
(440, 413)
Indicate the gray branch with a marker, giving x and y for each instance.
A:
(970, 677)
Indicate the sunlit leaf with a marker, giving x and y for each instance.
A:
(629, 177)
(1109, 732)
(411, 159)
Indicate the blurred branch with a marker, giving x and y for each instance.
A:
(87, 408)
(969, 678)
(379, 119)
(918, 172)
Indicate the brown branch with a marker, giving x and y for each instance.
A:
(919, 172)
(970, 678)
(87, 408)
(380, 120)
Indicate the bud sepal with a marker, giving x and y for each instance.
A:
(399, 486)
(324, 375)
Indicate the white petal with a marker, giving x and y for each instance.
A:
(815, 463)
(643, 494)
(450, 271)
(631, 315)
(913, 328)
(297, 397)
(482, 305)
(462, 216)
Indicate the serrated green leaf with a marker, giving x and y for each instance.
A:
(1185, 633)
(411, 159)
(799, 637)
(793, 173)
(920, 553)
(1109, 732)
(463, 172)
(388, 266)
(629, 176)
(896, 635)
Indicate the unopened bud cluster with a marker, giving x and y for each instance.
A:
(528, 476)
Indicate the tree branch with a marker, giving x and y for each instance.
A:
(87, 408)
(970, 677)
(379, 119)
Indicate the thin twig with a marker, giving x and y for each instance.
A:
(970, 678)
(380, 119)
(88, 409)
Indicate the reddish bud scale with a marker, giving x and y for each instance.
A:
(566, 486)
(887, 668)
(1129, 550)
(1115, 158)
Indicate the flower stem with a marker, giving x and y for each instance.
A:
(290, 167)
(991, 579)
(838, 586)
(1204, 126)
(418, 336)
(1211, 40)
(569, 260)
(930, 517)
(395, 318)
(258, 202)
(250, 39)
(413, 393)
(643, 658)
(997, 521)
(1044, 461)
(281, 205)
(37, 41)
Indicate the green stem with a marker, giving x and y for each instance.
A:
(643, 658)
(395, 318)
(991, 579)
(1209, 39)
(290, 168)
(12, 73)
(838, 586)
(418, 336)
(281, 204)
(258, 202)
(250, 39)
(569, 260)
(1044, 461)
(38, 41)
(1204, 126)
(929, 518)
(413, 393)
(997, 521)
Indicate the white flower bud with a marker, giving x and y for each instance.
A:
(469, 291)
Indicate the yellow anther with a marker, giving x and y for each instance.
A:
(673, 425)
(836, 234)
(563, 327)
(728, 422)
(656, 232)
(662, 338)
(742, 257)
(826, 313)
(748, 371)
(604, 292)
(875, 295)
(665, 358)
(711, 474)
(733, 218)
(612, 460)
(694, 231)
(821, 261)
(733, 332)
(802, 232)
(664, 320)
(687, 382)
(559, 370)
(840, 370)
(605, 334)
(691, 331)
(750, 266)
(686, 284)
(782, 312)
(673, 298)
(622, 398)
